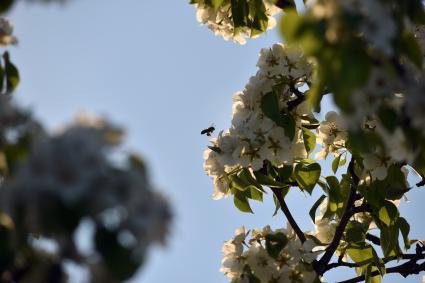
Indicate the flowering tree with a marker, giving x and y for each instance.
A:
(53, 185)
(366, 54)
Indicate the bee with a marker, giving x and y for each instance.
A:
(208, 131)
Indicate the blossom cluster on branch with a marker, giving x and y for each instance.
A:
(368, 55)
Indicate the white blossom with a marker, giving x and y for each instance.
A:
(331, 134)
(253, 259)
(220, 21)
(377, 164)
(324, 229)
(253, 138)
(71, 169)
(6, 33)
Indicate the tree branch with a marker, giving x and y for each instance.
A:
(408, 268)
(341, 263)
(320, 266)
(297, 101)
(375, 240)
(285, 210)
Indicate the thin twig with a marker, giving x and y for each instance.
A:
(385, 260)
(285, 210)
(374, 239)
(404, 270)
(408, 268)
(297, 101)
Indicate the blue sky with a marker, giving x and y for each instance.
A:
(149, 66)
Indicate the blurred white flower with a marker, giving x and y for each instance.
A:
(6, 33)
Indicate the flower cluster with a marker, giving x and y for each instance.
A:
(220, 21)
(332, 135)
(373, 20)
(254, 137)
(68, 175)
(6, 33)
(268, 256)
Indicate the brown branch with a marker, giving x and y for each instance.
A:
(320, 266)
(297, 101)
(422, 182)
(408, 268)
(375, 240)
(341, 263)
(285, 210)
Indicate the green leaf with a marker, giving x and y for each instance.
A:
(336, 197)
(404, 227)
(275, 244)
(388, 118)
(356, 57)
(217, 3)
(241, 202)
(309, 140)
(283, 193)
(285, 4)
(361, 254)
(394, 186)
(276, 205)
(12, 74)
(240, 10)
(313, 209)
(285, 172)
(307, 175)
(290, 25)
(355, 232)
(389, 241)
(255, 194)
(5, 5)
(119, 260)
(215, 149)
(270, 106)
(336, 163)
(411, 48)
(258, 17)
(287, 122)
(268, 181)
(388, 213)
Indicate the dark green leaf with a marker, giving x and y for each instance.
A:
(241, 202)
(309, 140)
(275, 244)
(270, 106)
(5, 5)
(388, 118)
(12, 74)
(269, 181)
(412, 49)
(285, 173)
(404, 227)
(388, 213)
(120, 261)
(307, 175)
(335, 163)
(389, 241)
(285, 4)
(361, 254)
(355, 232)
(315, 206)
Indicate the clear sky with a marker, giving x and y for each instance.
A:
(149, 66)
